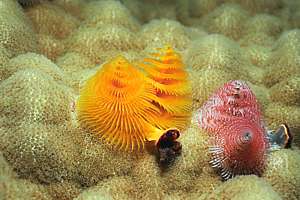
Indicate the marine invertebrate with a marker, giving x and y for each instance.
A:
(264, 23)
(199, 8)
(91, 41)
(227, 19)
(259, 6)
(121, 87)
(216, 51)
(192, 166)
(287, 91)
(168, 148)
(278, 113)
(113, 188)
(16, 35)
(164, 31)
(257, 38)
(167, 75)
(99, 13)
(50, 47)
(258, 55)
(72, 62)
(245, 187)
(32, 96)
(48, 18)
(284, 53)
(36, 62)
(283, 173)
(233, 119)
(144, 106)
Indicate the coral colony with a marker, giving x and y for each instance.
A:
(132, 131)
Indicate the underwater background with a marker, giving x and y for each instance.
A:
(48, 49)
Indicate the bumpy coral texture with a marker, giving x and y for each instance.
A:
(164, 32)
(40, 137)
(227, 20)
(50, 46)
(286, 52)
(245, 187)
(33, 96)
(98, 13)
(283, 173)
(16, 33)
(90, 41)
(36, 62)
(218, 52)
(50, 19)
(287, 91)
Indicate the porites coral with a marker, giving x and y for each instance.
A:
(91, 41)
(228, 19)
(245, 187)
(286, 52)
(218, 52)
(283, 173)
(16, 34)
(33, 96)
(51, 19)
(164, 32)
(287, 91)
(98, 13)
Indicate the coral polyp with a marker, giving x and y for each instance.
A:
(115, 104)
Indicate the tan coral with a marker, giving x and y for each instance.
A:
(65, 190)
(16, 34)
(22, 189)
(257, 38)
(164, 32)
(192, 164)
(227, 19)
(39, 152)
(34, 61)
(99, 161)
(264, 23)
(283, 173)
(110, 189)
(215, 51)
(205, 82)
(200, 8)
(51, 19)
(50, 47)
(4, 58)
(74, 7)
(72, 62)
(33, 96)
(92, 41)
(287, 91)
(245, 187)
(284, 59)
(258, 55)
(98, 13)
(147, 178)
(259, 6)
